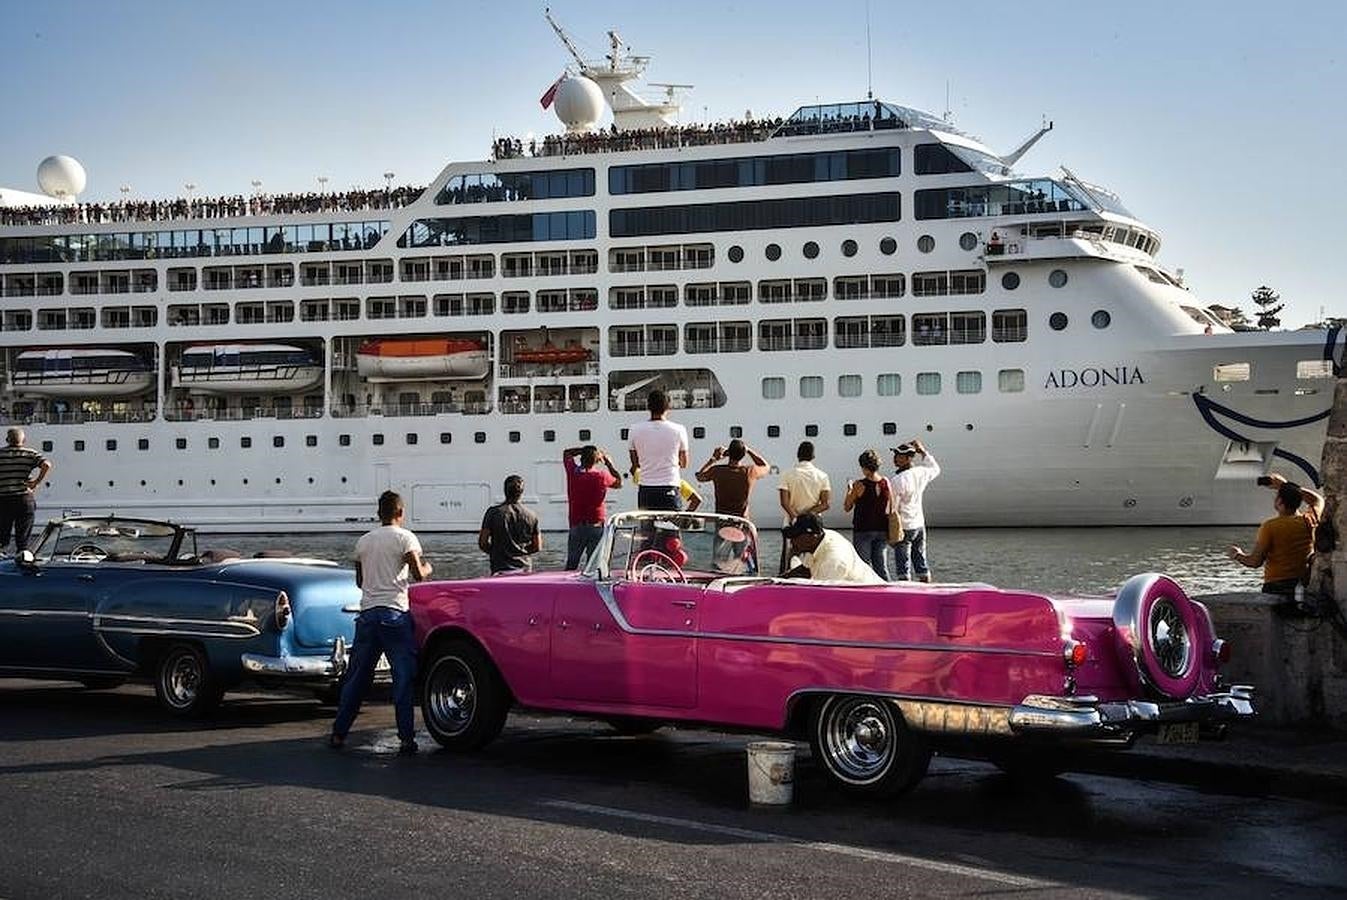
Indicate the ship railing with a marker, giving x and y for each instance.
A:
(389, 410)
(76, 417)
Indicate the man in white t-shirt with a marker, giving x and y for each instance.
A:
(909, 484)
(803, 489)
(659, 453)
(827, 554)
(384, 560)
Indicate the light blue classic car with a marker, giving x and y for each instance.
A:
(101, 600)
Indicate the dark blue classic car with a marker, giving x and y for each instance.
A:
(103, 599)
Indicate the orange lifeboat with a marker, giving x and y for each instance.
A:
(422, 359)
(552, 355)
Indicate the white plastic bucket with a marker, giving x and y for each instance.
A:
(771, 772)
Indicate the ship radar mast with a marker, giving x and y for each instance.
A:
(612, 74)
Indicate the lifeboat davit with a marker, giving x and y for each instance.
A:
(422, 359)
(82, 372)
(552, 355)
(248, 369)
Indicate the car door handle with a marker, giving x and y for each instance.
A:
(686, 604)
(86, 578)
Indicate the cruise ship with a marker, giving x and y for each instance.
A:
(855, 274)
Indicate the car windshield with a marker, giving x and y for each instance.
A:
(116, 540)
(706, 546)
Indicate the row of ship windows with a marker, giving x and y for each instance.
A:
(699, 175)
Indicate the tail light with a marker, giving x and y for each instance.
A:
(1075, 653)
(282, 609)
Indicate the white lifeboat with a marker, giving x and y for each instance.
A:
(248, 369)
(81, 372)
(422, 359)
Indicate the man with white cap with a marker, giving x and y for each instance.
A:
(909, 484)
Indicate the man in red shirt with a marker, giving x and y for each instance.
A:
(587, 485)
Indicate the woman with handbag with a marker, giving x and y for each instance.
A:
(869, 499)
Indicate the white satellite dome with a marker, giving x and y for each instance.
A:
(579, 103)
(61, 176)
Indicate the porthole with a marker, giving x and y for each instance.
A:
(736, 254)
(46, 446)
(411, 438)
(1057, 278)
(142, 482)
(110, 484)
(213, 443)
(810, 250)
(278, 481)
(378, 439)
(514, 437)
(773, 252)
(111, 444)
(888, 246)
(811, 431)
(584, 434)
(79, 484)
(310, 479)
(849, 430)
(925, 243)
(889, 429)
(549, 436)
(623, 433)
(930, 427)
(245, 481)
(773, 431)
(699, 432)
(344, 440)
(180, 443)
(343, 479)
(1101, 318)
(212, 482)
(849, 247)
(736, 431)
(179, 482)
(278, 441)
(968, 426)
(1010, 280)
(446, 437)
(245, 442)
(310, 440)
(968, 240)
(79, 446)
(479, 437)
(143, 444)
(1057, 321)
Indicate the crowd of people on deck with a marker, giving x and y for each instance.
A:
(223, 207)
(612, 140)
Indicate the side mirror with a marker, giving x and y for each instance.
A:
(26, 560)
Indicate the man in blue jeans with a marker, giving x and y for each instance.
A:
(909, 486)
(384, 558)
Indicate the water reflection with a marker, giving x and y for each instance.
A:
(1052, 560)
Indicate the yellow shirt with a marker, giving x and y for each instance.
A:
(1288, 541)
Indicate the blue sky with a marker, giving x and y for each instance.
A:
(1222, 124)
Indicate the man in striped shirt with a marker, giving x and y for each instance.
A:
(17, 484)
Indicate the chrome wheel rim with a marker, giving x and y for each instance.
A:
(451, 696)
(181, 679)
(1169, 638)
(859, 738)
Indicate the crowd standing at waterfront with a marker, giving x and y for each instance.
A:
(223, 207)
(612, 140)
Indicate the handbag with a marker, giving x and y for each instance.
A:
(896, 534)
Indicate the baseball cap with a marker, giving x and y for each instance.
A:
(805, 523)
(904, 450)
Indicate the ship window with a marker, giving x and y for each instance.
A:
(344, 440)
(888, 246)
(967, 327)
(773, 388)
(810, 250)
(750, 215)
(928, 383)
(889, 429)
(446, 437)
(479, 437)
(936, 159)
(377, 439)
(491, 187)
(549, 436)
(887, 331)
(79, 446)
(1057, 278)
(773, 252)
(213, 443)
(736, 431)
(180, 443)
(1057, 321)
(811, 387)
(1010, 381)
(889, 384)
(699, 432)
(930, 329)
(754, 171)
(513, 302)
(245, 442)
(411, 438)
(584, 434)
(1308, 369)
(1010, 281)
(1010, 326)
(503, 229)
(1101, 318)
(736, 254)
(811, 431)
(1240, 371)
(773, 431)
(46, 446)
(967, 281)
(514, 437)
(848, 385)
(968, 240)
(887, 286)
(968, 382)
(849, 247)
(278, 441)
(624, 433)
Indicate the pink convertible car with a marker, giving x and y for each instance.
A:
(671, 622)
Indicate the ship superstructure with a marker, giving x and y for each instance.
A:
(854, 275)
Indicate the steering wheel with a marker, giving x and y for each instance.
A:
(659, 569)
(87, 553)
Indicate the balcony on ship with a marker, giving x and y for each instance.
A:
(1027, 241)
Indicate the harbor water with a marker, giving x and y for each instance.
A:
(1050, 560)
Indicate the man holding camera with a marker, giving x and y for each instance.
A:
(1286, 540)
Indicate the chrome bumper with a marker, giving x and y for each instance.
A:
(289, 666)
(1090, 717)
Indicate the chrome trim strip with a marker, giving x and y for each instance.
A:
(31, 613)
(179, 632)
(605, 590)
(1088, 717)
(61, 670)
(131, 623)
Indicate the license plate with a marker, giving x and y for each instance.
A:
(1178, 733)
